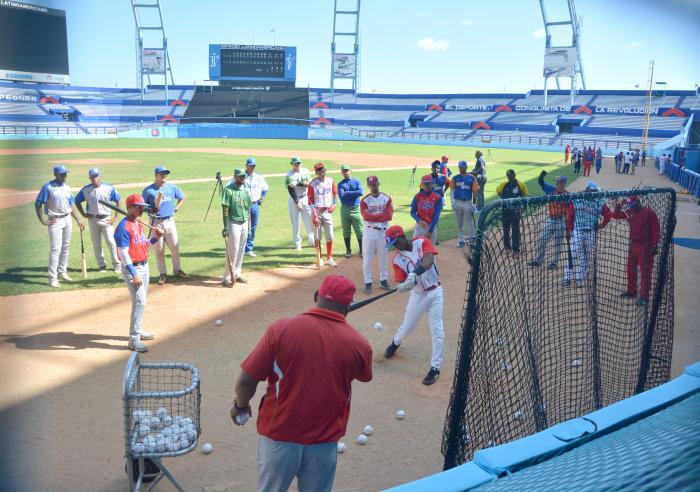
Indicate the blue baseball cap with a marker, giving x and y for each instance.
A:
(462, 164)
(250, 161)
(94, 172)
(161, 170)
(60, 169)
(561, 179)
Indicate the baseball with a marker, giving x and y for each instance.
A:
(150, 443)
(207, 448)
(218, 322)
(378, 326)
(576, 363)
(191, 434)
(341, 447)
(138, 448)
(167, 421)
(167, 431)
(400, 414)
(518, 415)
(361, 439)
(176, 445)
(184, 443)
(367, 431)
(143, 430)
(242, 418)
(162, 412)
(155, 422)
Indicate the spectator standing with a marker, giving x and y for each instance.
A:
(350, 192)
(480, 173)
(511, 214)
(598, 160)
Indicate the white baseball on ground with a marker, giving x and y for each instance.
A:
(367, 431)
(218, 322)
(361, 439)
(400, 414)
(207, 448)
(341, 447)
(242, 418)
(378, 326)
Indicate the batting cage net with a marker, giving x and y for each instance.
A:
(557, 321)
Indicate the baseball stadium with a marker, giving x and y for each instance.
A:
(349, 245)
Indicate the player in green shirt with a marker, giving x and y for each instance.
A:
(236, 204)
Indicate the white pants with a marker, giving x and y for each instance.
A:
(305, 215)
(373, 243)
(582, 250)
(326, 219)
(419, 303)
(170, 238)
(138, 300)
(102, 229)
(59, 240)
(422, 231)
(237, 237)
(464, 211)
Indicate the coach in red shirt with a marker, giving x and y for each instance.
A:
(309, 362)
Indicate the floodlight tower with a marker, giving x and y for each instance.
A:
(345, 64)
(153, 58)
(574, 66)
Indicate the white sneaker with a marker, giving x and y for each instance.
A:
(331, 262)
(297, 248)
(118, 269)
(147, 336)
(250, 253)
(138, 346)
(54, 283)
(64, 276)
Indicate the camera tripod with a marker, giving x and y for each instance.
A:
(219, 186)
(412, 181)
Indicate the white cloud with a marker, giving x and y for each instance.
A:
(419, 15)
(538, 33)
(432, 44)
(444, 22)
(468, 22)
(632, 46)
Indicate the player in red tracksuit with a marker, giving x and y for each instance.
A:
(644, 240)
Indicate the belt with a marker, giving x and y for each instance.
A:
(58, 216)
(164, 218)
(433, 287)
(237, 222)
(140, 263)
(376, 228)
(93, 216)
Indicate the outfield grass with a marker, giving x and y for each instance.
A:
(24, 251)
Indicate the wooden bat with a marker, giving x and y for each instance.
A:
(568, 253)
(123, 212)
(82, 253)
(359, 304)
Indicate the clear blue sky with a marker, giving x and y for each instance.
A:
(406, 45)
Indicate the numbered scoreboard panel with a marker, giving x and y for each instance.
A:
(252, 62)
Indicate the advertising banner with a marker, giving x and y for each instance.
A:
(344, 65)
(153, 60)
(559, 62)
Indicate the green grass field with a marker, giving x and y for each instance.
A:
(24, 250)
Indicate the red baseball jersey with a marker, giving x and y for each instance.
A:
(129, 234)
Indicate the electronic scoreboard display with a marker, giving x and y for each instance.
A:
(250, 63)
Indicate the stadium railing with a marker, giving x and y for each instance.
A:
(690, 180)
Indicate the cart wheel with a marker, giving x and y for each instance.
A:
(151, 469)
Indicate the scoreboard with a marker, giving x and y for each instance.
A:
(252, 63)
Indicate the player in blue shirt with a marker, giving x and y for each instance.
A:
(171, 199)
(350, 192)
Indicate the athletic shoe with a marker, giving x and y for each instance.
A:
(331, 262)
(552, 266)
(516, 254)
(461, 244)
(181, 274)
(162, 279)
(241, 280)
(384, 284)
(297, 248)
(118, 269)
(138, 346)
(250, 253)
(226, 283)
(348, 253)
(628, 294)
(147, 336)
(311, 242)
(507, 251)
(102, 269)
(64, 276)
(320, 262)
(368, 288)
(642, 301)
(534, 263)
(54, 283)
(432, 376)
(579, 283)
(565, 282)
(390, 350)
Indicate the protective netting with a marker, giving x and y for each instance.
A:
(536, 350)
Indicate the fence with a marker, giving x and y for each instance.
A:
(690, 180)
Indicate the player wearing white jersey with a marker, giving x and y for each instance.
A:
(377, 210)
(297, 182)
(100, 218)
(322, 198)
(414, 266)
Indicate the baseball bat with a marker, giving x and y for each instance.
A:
(359, 304)
(568, 254)
(82, 253)
(123, 212)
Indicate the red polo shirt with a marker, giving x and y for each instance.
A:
(309, 362)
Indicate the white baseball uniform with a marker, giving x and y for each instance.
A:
(99, 220)
(300, 182)
(376, 212)
(322, 195)
(57, 199)
(425, 296)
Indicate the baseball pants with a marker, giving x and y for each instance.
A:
(138, 300)
(639, 257)
(102, 229)
(254, 216)
(464, 211)
(237, 236)
(59, 239)
(480, 194)
(582, 250)
(555, 226)
(511, 224)
(598, 165)
(279, 462)
(587, 169)
(577, 168)
(326, 224)
(297, 217)
(373, 243)
(170, 238)
(351, 217)
(418, 304)
(422, 231)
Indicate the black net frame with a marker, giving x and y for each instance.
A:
(533, 352)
